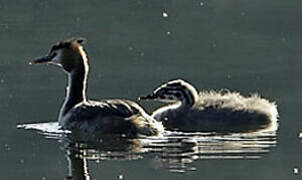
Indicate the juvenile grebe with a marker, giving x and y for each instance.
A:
(122, 117)
(211, 111)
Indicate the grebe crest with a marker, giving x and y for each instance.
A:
(116, 116)
(219, 111)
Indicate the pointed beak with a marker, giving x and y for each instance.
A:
(148, 97)
(45, 59)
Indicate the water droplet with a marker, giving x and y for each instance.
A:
(130, 48)
(168, 33)
(296, 170)
(7, 147)
(120, 176)
(201, 3)
(165, 14)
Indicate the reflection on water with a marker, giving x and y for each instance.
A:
(175, 151)
(77, 164)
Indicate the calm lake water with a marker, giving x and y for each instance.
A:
(133, 45)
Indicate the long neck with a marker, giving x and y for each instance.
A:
(76, 90)
(189, 96)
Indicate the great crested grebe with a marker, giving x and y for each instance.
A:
(115, 116)
(211, 111)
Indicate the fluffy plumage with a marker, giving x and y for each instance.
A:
(211, 111)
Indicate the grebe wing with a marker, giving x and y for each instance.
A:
(106, 108)
(109, 116)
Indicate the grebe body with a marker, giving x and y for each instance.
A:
(211, 111)
(116, 116)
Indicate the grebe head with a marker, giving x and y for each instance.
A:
(68, 53)
(174, 91)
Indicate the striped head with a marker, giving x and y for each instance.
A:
(174, 91)
(68, 53)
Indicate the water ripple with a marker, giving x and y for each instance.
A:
(175, 151)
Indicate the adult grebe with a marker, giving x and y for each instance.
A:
(211, 111)
(122, 117)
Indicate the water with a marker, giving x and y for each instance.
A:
(175, 151)
(239, 45)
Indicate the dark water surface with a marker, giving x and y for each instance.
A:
(245, 46)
